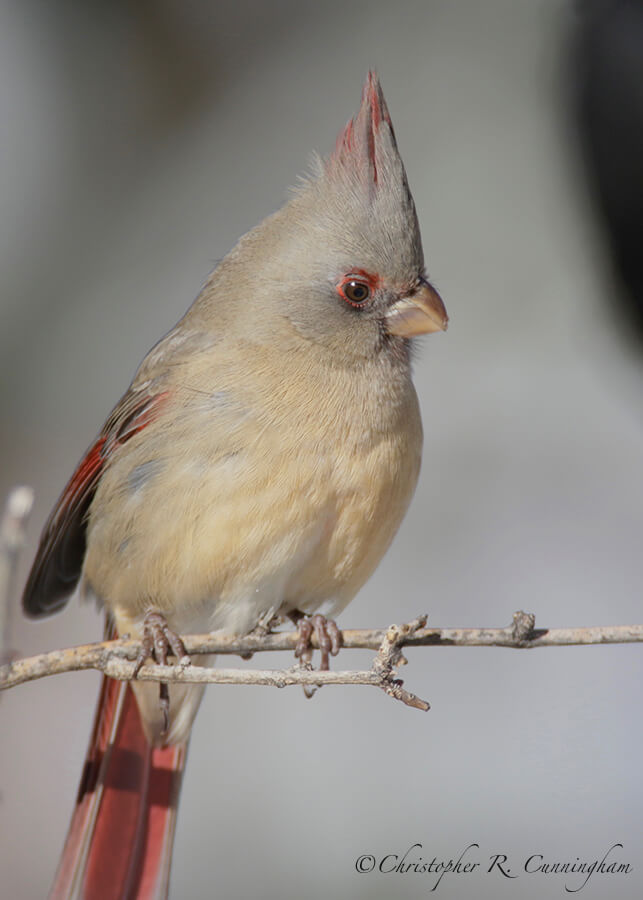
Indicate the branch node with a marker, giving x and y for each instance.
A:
(389, 656)
(522, 628)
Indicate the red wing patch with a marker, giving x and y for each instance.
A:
(56, 568)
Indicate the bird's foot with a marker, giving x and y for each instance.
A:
(159, 642)
(328, 635)
(263, 627)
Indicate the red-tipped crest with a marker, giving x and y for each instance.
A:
(360, 197)
(359, 137)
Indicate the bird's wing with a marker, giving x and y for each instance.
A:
(58, 562)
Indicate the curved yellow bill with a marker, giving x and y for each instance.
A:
(422, 312)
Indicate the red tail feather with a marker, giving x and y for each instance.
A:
(119, 844)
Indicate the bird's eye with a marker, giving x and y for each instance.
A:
(356, 292)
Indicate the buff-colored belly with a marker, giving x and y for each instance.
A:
(219, 537)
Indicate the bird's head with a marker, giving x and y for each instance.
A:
(341, 263)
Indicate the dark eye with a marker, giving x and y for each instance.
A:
(356, 292)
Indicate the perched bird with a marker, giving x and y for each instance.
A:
(259, 465)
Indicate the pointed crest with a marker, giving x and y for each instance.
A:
(357, 202)
(367, 137)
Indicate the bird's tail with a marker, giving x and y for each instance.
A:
(119, 844)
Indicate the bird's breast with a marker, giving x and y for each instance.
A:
(258, 502)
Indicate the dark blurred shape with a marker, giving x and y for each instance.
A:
(609, 67)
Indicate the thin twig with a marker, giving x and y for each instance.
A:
(116, 658)
(12, 534)
(389, 656)
(113, 658)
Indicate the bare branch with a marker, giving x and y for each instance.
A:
(117, 658)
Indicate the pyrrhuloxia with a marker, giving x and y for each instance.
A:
(259, 464)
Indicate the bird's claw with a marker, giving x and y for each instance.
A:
(159, 642)
(328, 635)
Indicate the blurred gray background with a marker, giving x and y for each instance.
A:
(139, 140)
